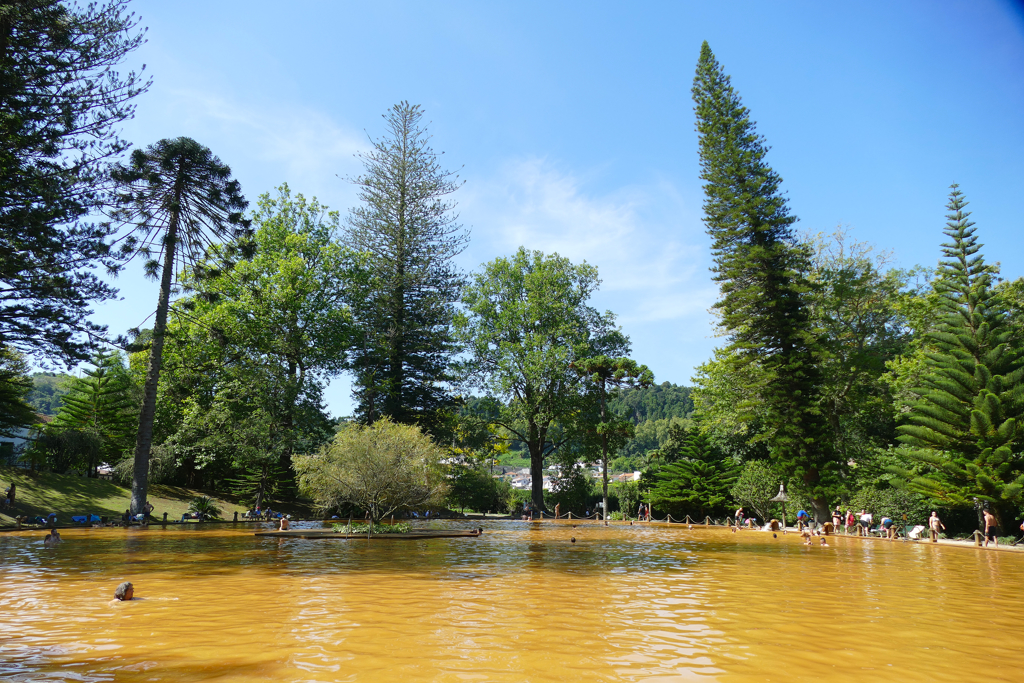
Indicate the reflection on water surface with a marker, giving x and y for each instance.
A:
(520, 603)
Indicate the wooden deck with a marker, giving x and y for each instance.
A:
(333, 535)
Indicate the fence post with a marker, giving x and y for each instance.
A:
(978, 536)
(165, 518)
(236, 515)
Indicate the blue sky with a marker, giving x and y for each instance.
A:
(573, 125)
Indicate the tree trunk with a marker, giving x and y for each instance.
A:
(536, 446)
(604, 460)
(144, 440)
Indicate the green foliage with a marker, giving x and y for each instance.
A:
(205, 506)
(176, 199)
(408, 230)
(761, 271)
(755, 487)
(15, 385)
(859, 315)
(358, 528)
(475, 488)
(650, 439)
(103, 403)
(526, 320)
(698, 483)
(258, 482)
(62, 450)
(381, 468)
(62, 100)
(47, 390)
(606, 376)
(967, 421)
(892, 503)
(659, 402)
(628, 494)
(251, 350)
(573, 490)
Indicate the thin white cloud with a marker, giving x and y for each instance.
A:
(645, 242)
(266, 144)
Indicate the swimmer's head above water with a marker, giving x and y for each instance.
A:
(125, 591)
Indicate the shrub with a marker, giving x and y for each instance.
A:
(205, 506)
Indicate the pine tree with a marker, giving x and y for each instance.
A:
(62, 100)
(967, 422)
(698, 483)
(101, 404)
(762, 274)
(15, 386)
(407, 228)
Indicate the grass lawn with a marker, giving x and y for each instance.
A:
(39, 494)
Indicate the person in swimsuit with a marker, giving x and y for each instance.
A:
(837, 519)
(850, 521)
(802, 518)
(890, 530)
(866, 519)
(285, 523)
(991, 528)
(933, 526)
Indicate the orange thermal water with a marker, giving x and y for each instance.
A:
(520, 603)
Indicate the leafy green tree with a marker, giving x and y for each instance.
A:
(103, 404)
(698, 482)
(61, 449)
(473, 487)
(966, 424)
(526, 321)
(381, 468)
(178, 199)
(755, 487)
(761, 272)
(573, 489)
(250, 351)
(856, 306)
(62, 99)
(409, 231)
(606, 375)
(628, 493)
(15, 385)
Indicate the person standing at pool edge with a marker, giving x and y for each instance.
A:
(991, 528)
(933, 525)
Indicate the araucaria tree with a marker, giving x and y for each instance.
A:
(526, 321)
(698, 482)
(61, 100)
(967, 422)
(607, 375)
(762, 274)
(407, 227)
(176, 199)
(101, 404)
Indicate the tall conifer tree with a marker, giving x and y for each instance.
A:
(967, 423)
(101, 403)
(761, 271)
(407, 227)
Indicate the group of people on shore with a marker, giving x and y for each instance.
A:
(864, 523)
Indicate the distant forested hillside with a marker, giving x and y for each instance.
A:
(45, 395)
(660, 402)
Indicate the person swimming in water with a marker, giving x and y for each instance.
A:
(124, 592)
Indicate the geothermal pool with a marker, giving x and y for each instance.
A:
(520, 603)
